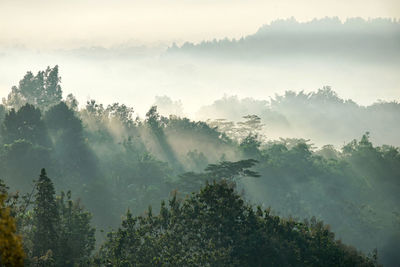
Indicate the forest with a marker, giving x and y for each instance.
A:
(97, 185)
(354, 40)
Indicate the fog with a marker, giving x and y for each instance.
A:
(73, 24)
(137, 80)
(245, 75)
(314, 103)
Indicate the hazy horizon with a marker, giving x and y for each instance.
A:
(293, 103)
(357, 57)
(135, 75)
(71, 24)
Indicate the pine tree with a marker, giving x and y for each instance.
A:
(46, 218)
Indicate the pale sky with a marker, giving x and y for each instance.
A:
(75, 23)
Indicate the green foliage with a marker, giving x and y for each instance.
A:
(2, 112)
(72, 102)
(121, 113)
(250, 145)
(57, 231)
(46, 218)
(216, 228)
(153, 120)
(19, 160)
(69, 146)
(41, 90)
(342, 187)
(112, 162)
(251, 125)
(26, 124)
(196, 160)
(242, 131)
(225, 170)
(77, 236)
(229, 170)
(156, 124)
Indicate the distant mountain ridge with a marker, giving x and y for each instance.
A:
(356, 38)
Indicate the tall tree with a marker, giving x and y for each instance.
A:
(156, 124)
(42, 90)
(46, 218)
(66, 132)
(2, 112)
(77, 236)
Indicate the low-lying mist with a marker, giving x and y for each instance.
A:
(193, 87)
(123, 127)
(364, 70)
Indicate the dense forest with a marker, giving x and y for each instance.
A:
(190, 193)
(355, 39)
(321, 116)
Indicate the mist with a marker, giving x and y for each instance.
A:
(250, 73)
(297, 117)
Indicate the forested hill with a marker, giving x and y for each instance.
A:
(322, 116)
(113, 160)
(373, 40)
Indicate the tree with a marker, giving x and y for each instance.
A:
(77, 236)
(250, 146)
(251, 126)
(19, 160)
(225, 170)
(46, 218)
(215, 227)
(52, 93)
(2, 113)
(156, 124)
(11, 250)
(70, 149)
(58, 231)
(25, 124)
(72, 102)
(122, 113)
(41, 90)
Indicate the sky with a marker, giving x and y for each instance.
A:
(43, 24)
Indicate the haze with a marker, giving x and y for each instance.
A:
(117, 51)
(75, 23)
(114, 114)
